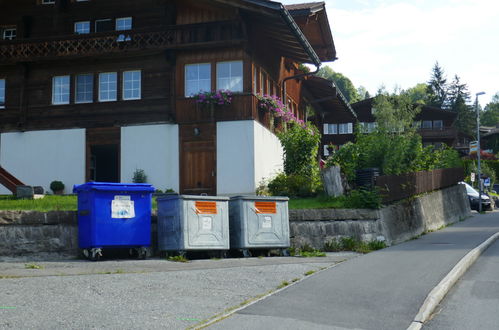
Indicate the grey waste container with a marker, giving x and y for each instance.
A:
(187, 223)
(258, 222)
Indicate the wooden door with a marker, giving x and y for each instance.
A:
(198, 159)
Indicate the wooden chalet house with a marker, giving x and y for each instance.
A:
(436, 126)
(95, 89)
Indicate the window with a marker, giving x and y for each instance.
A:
(330, 129)
(438, 124)
(326, 150)
(230, 76)
(48, 2)
(60, 90)
(197, 78)
(2, 93)
(9, 34)
(426, 124)
(82, 27)
(103, 25)
(131, 85)
(84, 88)
(124, 23)
(107, 86)
(346, 128)
(255, 81)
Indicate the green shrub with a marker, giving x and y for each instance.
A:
(333, 246)
(376, 245)
(139, 176)
(363, 199)
(294, 185)
(57, 186)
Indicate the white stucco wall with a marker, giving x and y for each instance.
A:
(246, 153)
(154, 149)
(39, 157)
(268, 154)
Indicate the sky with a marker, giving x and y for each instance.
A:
(396, 43)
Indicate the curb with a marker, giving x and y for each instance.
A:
(438, 293)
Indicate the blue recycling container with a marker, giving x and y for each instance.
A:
(114, 215)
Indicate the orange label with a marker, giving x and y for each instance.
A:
(206, 207)
(266, 207)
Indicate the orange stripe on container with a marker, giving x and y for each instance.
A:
(266, 207)
(206, 207)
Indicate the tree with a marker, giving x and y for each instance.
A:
(342, 82)
(458, 101)
(418, 94)
(363, 93)
(490, 116)
(395, 113)
(437, 87)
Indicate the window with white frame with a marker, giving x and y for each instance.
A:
(107, 86)
(230, 76)
(82, 27)
(48, 2)
(84, 88)
(9, 33)
(330, 128)
(60, 90)
(132, 85)
(123, 23)
(345, 128)
(2, 93)
(326, 150)
(255, 80)
(197, 78)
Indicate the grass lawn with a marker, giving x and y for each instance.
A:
(48, 203)
(69, 203)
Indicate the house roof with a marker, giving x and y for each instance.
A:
(329, 97)
(280, 28)
(313, 21)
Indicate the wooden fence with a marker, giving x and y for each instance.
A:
(398, 187)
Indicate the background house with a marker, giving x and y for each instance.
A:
(94, 90)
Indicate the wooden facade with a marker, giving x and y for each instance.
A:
(161, 38)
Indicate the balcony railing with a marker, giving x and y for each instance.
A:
(243, 107)
(170, 37)
(443, 132)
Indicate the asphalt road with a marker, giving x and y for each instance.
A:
(132, 294)
(382, 290)
(474, 302)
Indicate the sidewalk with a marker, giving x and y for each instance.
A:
(382, 290)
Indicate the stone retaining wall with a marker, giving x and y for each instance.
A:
(393, 224)
(29, 232)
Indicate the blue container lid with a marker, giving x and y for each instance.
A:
(111, 186)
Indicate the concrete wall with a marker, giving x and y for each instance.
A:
(247, 152)
(269, 154)
(153, 148)
(393, 224)
(39, 157)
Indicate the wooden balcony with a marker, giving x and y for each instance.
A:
(243, 107)
(438, 133)
(171, 37)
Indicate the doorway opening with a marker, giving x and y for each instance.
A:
(104, 163)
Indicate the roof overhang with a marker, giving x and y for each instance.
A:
(280, 27)
(329, 97)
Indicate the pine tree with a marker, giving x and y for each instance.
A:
(437, 87)
(459, 102)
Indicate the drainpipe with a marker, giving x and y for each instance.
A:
(301, 75)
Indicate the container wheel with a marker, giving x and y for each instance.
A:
(142, 253)
(95, 254)
(246, 253)
(86, 253)
(285, 253)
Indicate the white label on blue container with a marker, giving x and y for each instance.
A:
(207, 223)
(122, 198)
(267, 222)
(122, 209)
